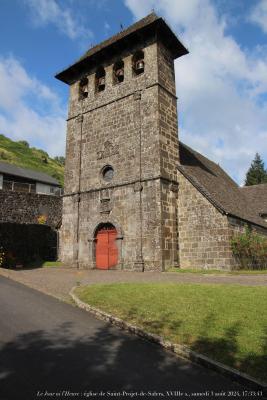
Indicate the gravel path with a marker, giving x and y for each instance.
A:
(59, 281)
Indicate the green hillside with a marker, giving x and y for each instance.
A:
(20, 154)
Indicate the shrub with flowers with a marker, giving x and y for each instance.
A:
(2, 256)
(7, 259)
(250, 249)
(42, 219)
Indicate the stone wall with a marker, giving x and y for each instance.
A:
(25, 208)
(131, 126)
(204, 234)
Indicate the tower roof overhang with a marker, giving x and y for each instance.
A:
(150, 27)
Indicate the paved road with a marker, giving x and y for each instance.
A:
(49, 346)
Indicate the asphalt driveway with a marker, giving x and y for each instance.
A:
(51, 349)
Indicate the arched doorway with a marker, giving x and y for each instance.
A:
(106, 250)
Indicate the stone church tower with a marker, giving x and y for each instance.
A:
(120, 200)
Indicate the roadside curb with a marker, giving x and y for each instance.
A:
(178, 349)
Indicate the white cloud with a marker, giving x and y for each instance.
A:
(219, 85)
(46, 12)
(259, 15)
(30, 110)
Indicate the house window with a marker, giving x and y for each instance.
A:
(138, 63)
(118, 72)
(100, 79)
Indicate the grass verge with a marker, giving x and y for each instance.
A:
(217, 272)
(43, 264)
(225, 322)
(50, 264)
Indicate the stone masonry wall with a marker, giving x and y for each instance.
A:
(131, 126)
(203, 231)
(25, 208)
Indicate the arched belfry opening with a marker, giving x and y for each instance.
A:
(100, 79)
(118, 72)
(138, 62)
(106, 249)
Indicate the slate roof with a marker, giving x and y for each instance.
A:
(151, 23)
(11, 169)
(214, 183)
(256, 195)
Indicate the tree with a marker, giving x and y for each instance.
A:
(256, 173)
(24, 143)
(60, 160)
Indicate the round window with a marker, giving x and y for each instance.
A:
(108, 173)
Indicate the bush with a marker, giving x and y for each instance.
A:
(7, 259)
(42, 219)
(250, 249)
(2, 257)
(24, 143)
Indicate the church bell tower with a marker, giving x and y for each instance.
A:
(121, 190)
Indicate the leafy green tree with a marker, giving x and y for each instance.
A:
(256, 173)
(24, 143)
(60, 160)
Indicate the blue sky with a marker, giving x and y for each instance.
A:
(221, 84)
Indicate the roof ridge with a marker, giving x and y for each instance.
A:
(19, 170)
(151, 25)
(154, 17)
(28, 169)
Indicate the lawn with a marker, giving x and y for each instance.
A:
(49, 264)
(43, 264)
(226, 322)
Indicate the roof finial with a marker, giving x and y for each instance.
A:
(121, 26)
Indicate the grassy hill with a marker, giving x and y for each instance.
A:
(20, 154)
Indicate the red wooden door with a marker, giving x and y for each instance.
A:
(106, 248)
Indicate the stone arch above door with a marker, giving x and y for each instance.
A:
(102, 222)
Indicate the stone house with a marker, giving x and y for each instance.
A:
(135, 197)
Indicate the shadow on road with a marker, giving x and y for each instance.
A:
(107, 360)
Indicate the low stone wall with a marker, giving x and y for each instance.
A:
(25, 208)
(28, 242)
